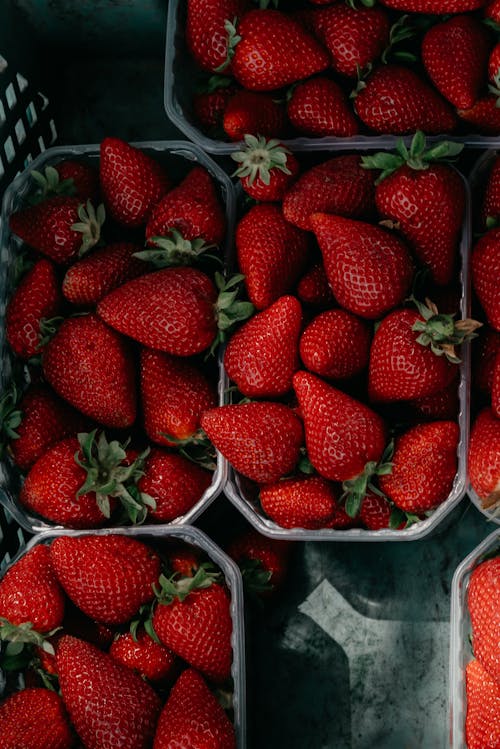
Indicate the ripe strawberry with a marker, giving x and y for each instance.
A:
(484, 114)
(144, 656)
(424, 466)
(313, 287)
(484, 355)
(209, 105)
(207, 38)
(60, 227)
(485, 273)
(185, 560)
(91, 278)
(484, 459)
(441, 405)
(274, 50)
(37, 297)
(434, 6)
(109, 706)
(368, 268)
(263, 561)
(193, 717)
(261, 440)
(492, 10)
(384, 106)
(300, 502)
(34, 719)
(335, 345)
(339, 185)
(483, 599)
(494, 63)
(482, 722)
(90, 365)
(67, 177)
(255, 113)
(108, 577)
(376, 512)
(266, 168)
(193, 619)
(319, 107)
(491, 200)
(262, 355)
(495, 387)
(132, 183)
(271, 253)
(340, 519)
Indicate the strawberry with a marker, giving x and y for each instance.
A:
(266, 168)
(484, 459)
(109, 706)
(263, 561)
(424, 466)
(60, 227)
(339, 185)
(491, 200)
(37, 297)
(271, 253)
(90, 365)
(108, 577)
(482, 722)
(483, 357)
(441, 405)
(485, 113)
(67, 177)
(465, 41)
(184, 560)
(368, 268)
(485, 265)
(209, 105)
(376, 512)
(262, 355)
(34, 719)
(88, 280)
(193, 619)
(483, 600)
(207, 38)
(193, 717)
(132, 183)
(300, 502)
(175, 484)
(274, 50)
(313, 287)
(495, 388)
(384, 106)
(255, 113)
(143, 655)
(494, 63)
(335, 345)
(434, 6)
(492, 10)
(319, 107)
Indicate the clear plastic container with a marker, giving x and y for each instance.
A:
(160, 538)
(179, 157)
(460, 647)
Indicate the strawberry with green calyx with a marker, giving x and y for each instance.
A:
(440, 332)
(266, 168)
(207, 34)
(48, 184)
(65, 178)
(263, 562)
(34, 718)
(377, 513)
(356, 489)
(141, 653)
(174, 250)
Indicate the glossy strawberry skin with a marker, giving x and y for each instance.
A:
(30, 592)
(483, 600)
(254, 113)
(484, 115)
(90, 365)
(171, 310)
(209, 106)
(495, 388)
(109, 705)
(485, 273)
(482, 723)
(313, 287)
(144, 656)
(342, 434)
(34, 719)
(198, 630)
(206, 37)
(484, 356)
(193, 717)
(375, 512)
(278, 184)
(319, 107)
(300, 502)
(107, 577)
(38, 296)
(491, 200)
(272, 554)
(441, 405)
(484, 454)
(262, 440)
(434, 6)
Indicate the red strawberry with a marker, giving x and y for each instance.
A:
(369, 269)
(300, 502)
(495, 388)
(266, 168)
(484, 459)
(341, 520)
(192, 717)
(274, 50)
(375, 512)
(271, 253)
(263, 561)
(424, 466)
(441, 405)
(485, 273)
(90, 365)
(144, 656)
(482, 722)
(342, 434)
(484, 355)
(34, 719)
(262, 355)
(37, 297)
(207, 38)
(67, 177)
(109, 705)
(339, 185)
(261, 440)
(30, 592)
(184, 559)
(174, 482)
(484, 114)
(107, 577)
(434, 6)
(319, 107)
(465, 41)
(483, 599)
(335, 345)
(491, 200)
(384, 106)
(313, 287)
(255, 113)
(209, 106)
(492, 10)
(132, 182)
(494, 63)
(61, 227)
(193, 619)
(88, 280)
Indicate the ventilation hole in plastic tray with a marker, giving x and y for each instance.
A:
(10, 96)
(10, 151)
(21, 82)
(31, 114)
(3, 64)
(20, 131)
(2, 170)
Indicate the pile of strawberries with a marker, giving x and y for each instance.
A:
(343, 67)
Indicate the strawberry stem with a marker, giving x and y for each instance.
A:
(10, 416)
(441, 332)
(355, 489)
(232, 41)
(49, 184)
(174, 250)
(176, 587)
(260, 156)
(89, 225)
